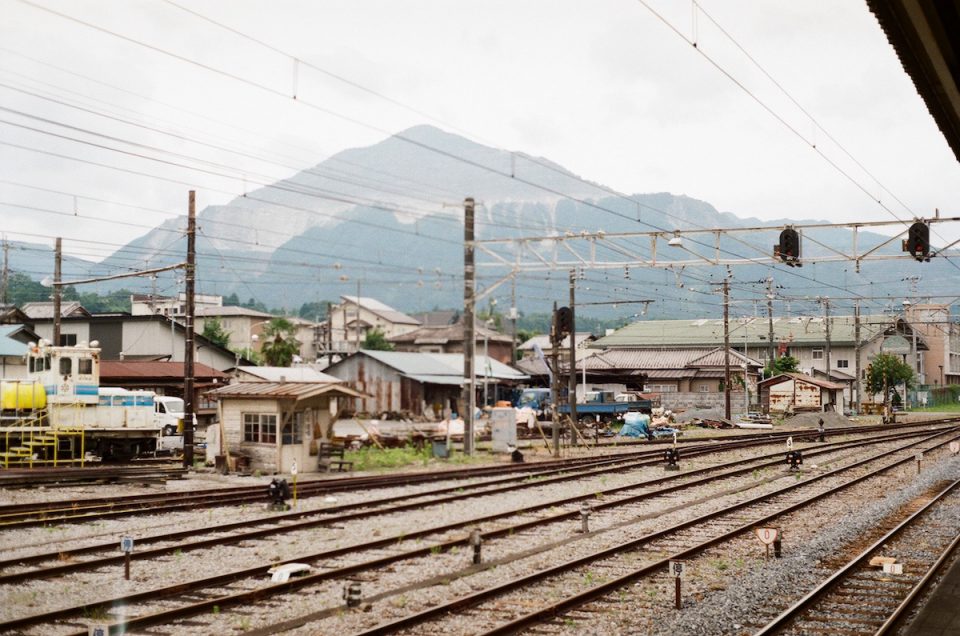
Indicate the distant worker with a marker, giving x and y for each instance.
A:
(820, 431)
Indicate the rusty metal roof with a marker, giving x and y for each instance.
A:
(151, 369)
(284, 390)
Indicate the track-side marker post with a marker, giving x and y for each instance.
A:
(126, 546)
(677, 569)
(476, 539)
(767, 537)
(584, 517)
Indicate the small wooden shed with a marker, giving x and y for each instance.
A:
(796, 392)
(276, 423)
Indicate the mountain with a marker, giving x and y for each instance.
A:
(386, 220)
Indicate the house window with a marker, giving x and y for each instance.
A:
(661, 388)
(817, 354)
(68, 339)
(293, 431)
(703, 388)
(260, 428)
(843, 364)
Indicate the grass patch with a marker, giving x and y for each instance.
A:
(947, 407)
(372, 458)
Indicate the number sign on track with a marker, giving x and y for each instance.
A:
(767, 535)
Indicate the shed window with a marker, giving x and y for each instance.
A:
(704, 388)
(66, 366)
(817, 354)
(85, 366)
(843, 364)
(260, 428)
(293, 431)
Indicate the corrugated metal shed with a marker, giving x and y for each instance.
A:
(786, 377)
(284, 390)
(291, 374)
(384, 311)
(14, 339)
(441, 364)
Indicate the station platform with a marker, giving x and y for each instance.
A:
(941, 615)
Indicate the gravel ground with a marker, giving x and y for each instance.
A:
(44, 595)
(508, 554)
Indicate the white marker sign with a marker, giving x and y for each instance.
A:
(789, 443)
(955, 447)
(99, 630)
(767, 535)
(293, 468)
(126, 544)
(677, 568)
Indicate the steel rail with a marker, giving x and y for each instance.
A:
(106, 508)
(600, 590)
(368, 511)
(824, 588)
(260, 570)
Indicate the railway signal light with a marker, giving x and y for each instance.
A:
(563, 322)
(351, 594)
(788, 248)
(278, 491)
(918, 241)
(672, 457)
(794, 458)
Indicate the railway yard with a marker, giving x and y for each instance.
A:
(575, 545)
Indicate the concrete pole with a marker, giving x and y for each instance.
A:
(188, 366)
(856, 341)
(57, 290)
(469, 339)
(726, 348)
(572, 398)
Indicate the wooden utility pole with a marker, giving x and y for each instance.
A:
(469, 338)
(726, 348)
(188, 367)
(572, 397)
(771, 346)
(856, 344)
(57, 290)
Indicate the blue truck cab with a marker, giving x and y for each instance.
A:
(540, 400)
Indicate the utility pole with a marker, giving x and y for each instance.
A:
(513, 318)
(329, 333)
(469, 339)
(572, 397)
(188, 369)
(6, 272)
(856, 344)
(771, 346)
(555, 388)
(826, 324)
(726, 347)
(57, 290)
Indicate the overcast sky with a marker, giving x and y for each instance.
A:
(604, 88)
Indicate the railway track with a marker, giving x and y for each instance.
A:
(860, 598)
(507, 606)
(85, 510)
(241, 587)
(65, 560)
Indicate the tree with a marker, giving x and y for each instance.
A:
(280, 343)
(313, 311)
(783, 364)
(884, 373)
(214, 332)
(376, 340)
